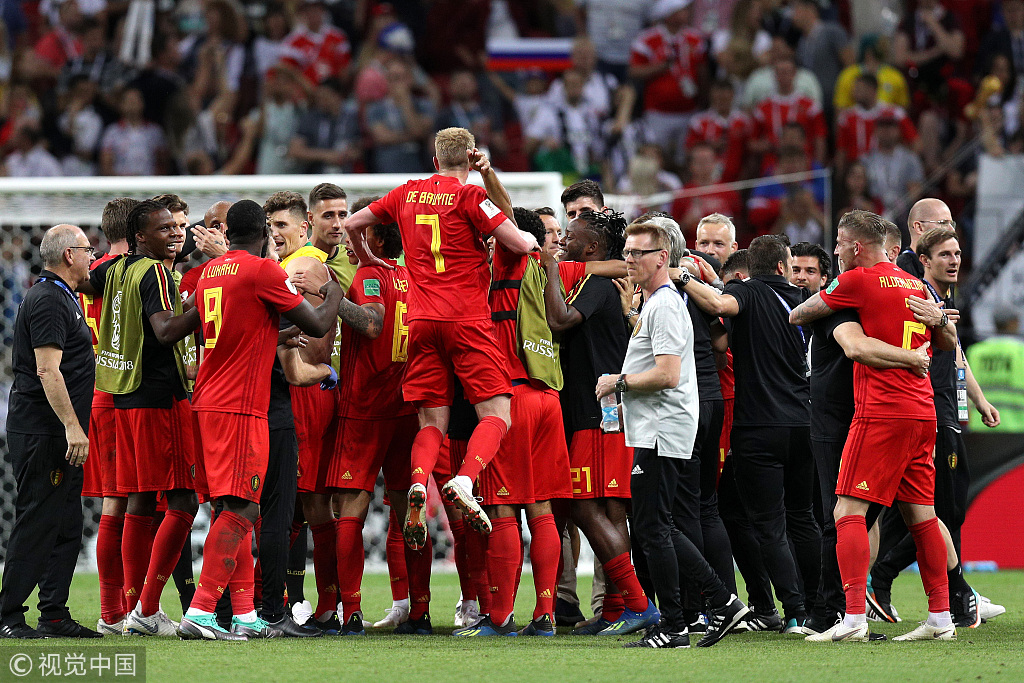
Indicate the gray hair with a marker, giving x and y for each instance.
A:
(55, 242)
(719, 219)
(675, 238)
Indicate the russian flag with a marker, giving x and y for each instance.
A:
(514, 54)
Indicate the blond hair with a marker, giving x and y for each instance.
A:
(660, 235)
(451, 145)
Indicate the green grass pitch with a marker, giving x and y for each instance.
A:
(993, 652)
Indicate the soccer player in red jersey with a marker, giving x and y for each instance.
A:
(443, 221)
(241, 296)
(100, 475)
(888, 454)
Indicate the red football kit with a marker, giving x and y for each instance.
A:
(855, 132)
(443, 223)
(99, 471)
(376, 427)
(675, 90)
(888, 454)
(728, 135)
(241, 297)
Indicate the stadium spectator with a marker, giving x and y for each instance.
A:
(327, 135)
(160, 82)
(315, 47)
(96, 61)
(218, 52)
(703, 169)
(133, 146)
(647, 174)
(57, 47)
(562, 138)
(612, 25)
(744, 27)
(892, 86)
(399, 124)
(788, 106)
(856, 193)
(763, 82)
(895, 172)
(277, 120)
(765, 203)
(466, 111)
(29, 157)
(724, 127)
(1006, 40)
(269, 47)
(83, 126)
(927, 43)
(855, 131)
(824, 46)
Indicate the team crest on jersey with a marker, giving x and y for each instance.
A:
(56, 477)
(832, 285)
(192, 471)
(639, 324)
(255, 482)
(952, 461)
(371, 287)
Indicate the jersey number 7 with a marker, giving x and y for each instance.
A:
(435, 237)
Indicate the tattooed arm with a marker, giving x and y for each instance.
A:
(809, 311)
(367, 320)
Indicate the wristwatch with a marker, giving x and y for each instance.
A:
(620, 384)
(944, 321)
(684, 278)
(633, 311)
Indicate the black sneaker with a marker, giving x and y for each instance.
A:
(659, 636)
(567, 614)
(289, 629)
(486, 627)
(721, 621)
(415, 627)
(20, 632)
(542, 626)
(876, 637)
(65, 628)
(880, 601)
(766, 621)
(964, 609)
(353, 625)
(700, 625)
(332, 626)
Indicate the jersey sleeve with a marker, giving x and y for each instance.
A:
(844, 291)
(591, 296)
(47, 323)
(481, 211)
(571, 272)
(157, 290)
(368, 287)
(98, 275)
(275, 289)
(387, 207)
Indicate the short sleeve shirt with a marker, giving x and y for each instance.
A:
(50, 316)
(666, 419)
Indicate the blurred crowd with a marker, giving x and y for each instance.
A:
(661, 95)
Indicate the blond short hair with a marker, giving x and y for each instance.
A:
(451, 145)
(659, 234)
(719, 219)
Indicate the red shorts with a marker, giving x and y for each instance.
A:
(437, 349)
(889, 459)
(236, 452)
(100, 469)
(154, 448)
(443, 468)
(364, 447)
(600, 464)
(315, 413)
(551, 478)
(723, 441)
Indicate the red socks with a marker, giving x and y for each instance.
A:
(612, 606)
(854, 555)
(425, 449)
(351, 560)
(110, 566)
(170, 537)
(476, 552)
(243, 580)
(620, 570)
(395, 551)
(220, 554)
(482, 446)
(417, 563)
(461, 552)
(136, 547)
(931, 559)
(503, 561)
(325, 566)
(545, 551)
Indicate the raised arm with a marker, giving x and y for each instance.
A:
(355, 226)
(876, 353)
(709, 300)
(512, 238)
(496, 191)
(809, 311)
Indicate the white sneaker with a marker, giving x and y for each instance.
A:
(115, 629)
(841, 634)
(395, 615)
(302, 612)
(988, 609)
(158, 624)
(468, 613)
(928, 632)
(456, 494)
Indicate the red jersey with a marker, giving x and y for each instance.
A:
(373, 368)
(776, 111)
(443, 223)
(727, 378)
(728, 135)
(855, 132)
(240, 297)
(507, 270)
(571, 272)
(189, 280)
(92, 308)
(879, 294)
(318, 56)
(675, 90)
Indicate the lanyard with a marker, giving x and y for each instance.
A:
(63, 286)
(789, 310)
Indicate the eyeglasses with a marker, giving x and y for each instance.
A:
(944, 223)
(637, 253)
(90, 250)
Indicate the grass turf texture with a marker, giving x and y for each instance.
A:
(991, 652)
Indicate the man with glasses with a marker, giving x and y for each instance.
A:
(926, 214)
(47, 426)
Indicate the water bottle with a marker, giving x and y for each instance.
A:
(610, 414)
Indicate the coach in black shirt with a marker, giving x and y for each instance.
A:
(770, 435)
(47, 427)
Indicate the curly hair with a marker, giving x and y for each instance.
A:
(609, 227)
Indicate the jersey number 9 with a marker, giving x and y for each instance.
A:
(212, 313)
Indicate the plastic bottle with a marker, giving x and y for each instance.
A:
(610, 414)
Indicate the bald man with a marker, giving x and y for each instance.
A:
(47, 424)
(926, 214)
